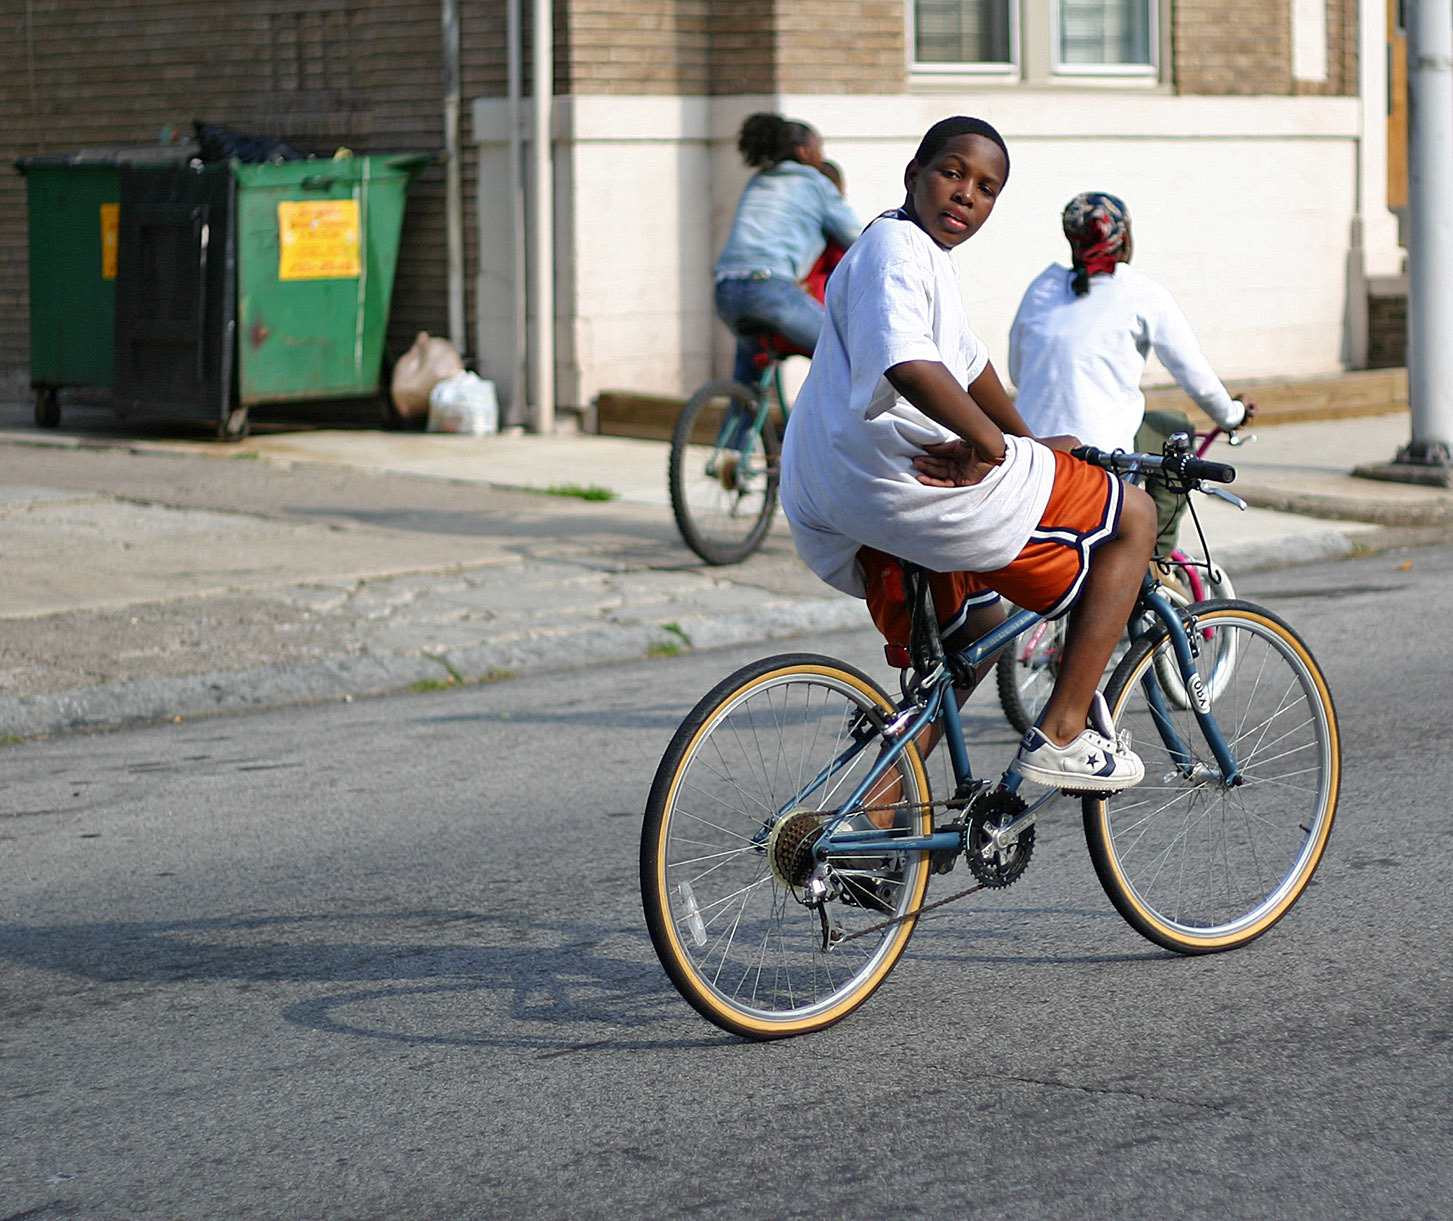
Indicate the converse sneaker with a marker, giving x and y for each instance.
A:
(1098, 761)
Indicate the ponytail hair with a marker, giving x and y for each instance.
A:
(766, 139)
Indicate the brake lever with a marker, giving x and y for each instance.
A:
(1223, 494)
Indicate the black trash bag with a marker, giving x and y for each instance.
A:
(223, 144)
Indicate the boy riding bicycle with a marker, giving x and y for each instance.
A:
(904, 444)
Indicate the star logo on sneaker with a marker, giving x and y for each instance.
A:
(1092, 760)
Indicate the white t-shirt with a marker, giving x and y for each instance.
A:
(847, 461)
(1076, 362)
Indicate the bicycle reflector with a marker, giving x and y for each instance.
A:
(897, 655)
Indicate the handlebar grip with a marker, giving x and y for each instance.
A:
(1212, 472)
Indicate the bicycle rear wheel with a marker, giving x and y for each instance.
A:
(1191, 864)
(723, 488)
(746, 784)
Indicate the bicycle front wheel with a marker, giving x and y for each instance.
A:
(1026, 671)
(1192, 864)
(750, 779)
(723, 473)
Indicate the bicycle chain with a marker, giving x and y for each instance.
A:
(1003, 870)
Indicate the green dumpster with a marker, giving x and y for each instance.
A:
(73, 202)
(317, 246)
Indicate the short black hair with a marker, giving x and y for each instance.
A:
(958, 125)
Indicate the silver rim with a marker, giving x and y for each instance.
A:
(1203, 860)
(744, 934)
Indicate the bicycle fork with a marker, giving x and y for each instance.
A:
(1186, 644)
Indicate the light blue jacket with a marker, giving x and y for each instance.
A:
(783, 221)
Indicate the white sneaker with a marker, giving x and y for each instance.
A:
(1098, 761)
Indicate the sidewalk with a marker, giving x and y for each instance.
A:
(470, 581)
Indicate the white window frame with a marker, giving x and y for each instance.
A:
(1143, 71)
(1034, 47)
(991, 69)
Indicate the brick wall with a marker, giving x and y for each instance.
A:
(721, 47)
(635, 47)
(1245, 47)
(825, 47)
(1387, 322)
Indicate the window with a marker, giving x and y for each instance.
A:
(1037, 40)
(962, 32)
(1104, 34)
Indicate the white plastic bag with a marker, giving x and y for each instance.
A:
(419, 370)
(464, 403)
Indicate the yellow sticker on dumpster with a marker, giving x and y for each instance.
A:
(318, 239)
(110, 226)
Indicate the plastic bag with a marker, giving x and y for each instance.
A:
(464, 403)
(419, 370)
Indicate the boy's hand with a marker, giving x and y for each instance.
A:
(951, 464)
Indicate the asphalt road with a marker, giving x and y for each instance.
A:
(385, 959)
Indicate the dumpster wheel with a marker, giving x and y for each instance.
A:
(47, 407)
(235, 426)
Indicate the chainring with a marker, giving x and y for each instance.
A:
(997, 868)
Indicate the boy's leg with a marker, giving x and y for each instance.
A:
(966, 611)
(1089, 553)
(1099, 616)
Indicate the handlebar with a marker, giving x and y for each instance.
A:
(1183, 467)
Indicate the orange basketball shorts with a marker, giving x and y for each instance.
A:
(1047, 575)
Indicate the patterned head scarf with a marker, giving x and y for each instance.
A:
(1098, 228)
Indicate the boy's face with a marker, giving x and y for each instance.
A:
(951, 197)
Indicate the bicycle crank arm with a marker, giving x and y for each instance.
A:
(1001, 838)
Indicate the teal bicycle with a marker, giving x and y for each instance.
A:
(724, 458)
(791, 833)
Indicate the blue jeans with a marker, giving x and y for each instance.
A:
(775, 302)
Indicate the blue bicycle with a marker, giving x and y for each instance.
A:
(790, 834)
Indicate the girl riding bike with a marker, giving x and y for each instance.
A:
(787, 215)
(1079, 342)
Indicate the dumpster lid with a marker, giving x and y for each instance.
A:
(113, 155)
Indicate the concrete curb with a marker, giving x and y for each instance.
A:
(154, 701)
(1341, 508)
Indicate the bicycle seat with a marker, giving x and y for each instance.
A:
(770, 344)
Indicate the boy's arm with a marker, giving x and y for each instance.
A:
(989, 393)
(981, 415)
(930, 387)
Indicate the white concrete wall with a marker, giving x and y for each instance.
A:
(1243, 207)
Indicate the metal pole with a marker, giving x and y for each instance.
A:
(453, 183)
(517, 408)
(1430, 233)
(542, 243)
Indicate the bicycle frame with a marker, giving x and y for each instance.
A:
(932, 702)
(768, 389)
